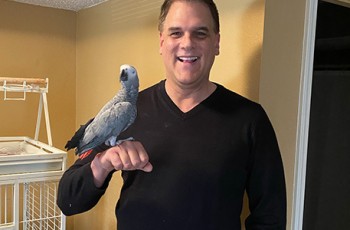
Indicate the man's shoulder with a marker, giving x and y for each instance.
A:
(151, 89)
(232, 98)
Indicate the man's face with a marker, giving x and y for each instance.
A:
(188, 43)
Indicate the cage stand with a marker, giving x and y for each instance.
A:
(33, 171)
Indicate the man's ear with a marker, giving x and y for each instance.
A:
(217, 45)
(161, 41)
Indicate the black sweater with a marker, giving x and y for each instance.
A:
(203, 162)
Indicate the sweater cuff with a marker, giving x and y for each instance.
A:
(90, 178)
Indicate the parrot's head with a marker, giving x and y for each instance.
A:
(128, 76)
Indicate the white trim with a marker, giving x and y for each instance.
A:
(304, 115)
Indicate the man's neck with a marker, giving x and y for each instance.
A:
(188, 98)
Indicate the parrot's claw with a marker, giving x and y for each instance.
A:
(127, 139)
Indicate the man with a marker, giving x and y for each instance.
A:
(199, 146)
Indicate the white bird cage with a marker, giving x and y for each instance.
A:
(29, 169)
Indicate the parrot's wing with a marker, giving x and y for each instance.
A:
(74, 141)
(110, 123)
(116, 99)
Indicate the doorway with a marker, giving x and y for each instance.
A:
(327, 186)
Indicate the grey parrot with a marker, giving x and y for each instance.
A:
(114, 117)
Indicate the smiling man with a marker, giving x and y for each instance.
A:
(189, 42)
(198, 146)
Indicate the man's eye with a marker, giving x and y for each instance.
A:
(201, 34)
(175, 34)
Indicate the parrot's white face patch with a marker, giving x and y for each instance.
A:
(188, 59)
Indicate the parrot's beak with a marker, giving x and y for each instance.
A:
(123, 75)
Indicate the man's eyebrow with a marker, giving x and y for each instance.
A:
(202, 28)
(174, 28)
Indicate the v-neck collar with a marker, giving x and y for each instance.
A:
(172, 107)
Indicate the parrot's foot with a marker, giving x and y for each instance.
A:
(112, 141)
(127, 139)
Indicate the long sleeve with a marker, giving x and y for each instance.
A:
(77, 192)
(266, 183)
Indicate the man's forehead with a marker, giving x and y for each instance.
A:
(176, 28)
(190, 9)
(188, 14)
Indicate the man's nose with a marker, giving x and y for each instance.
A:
(187, 42)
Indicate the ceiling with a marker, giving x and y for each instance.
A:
(76, 5)
(73, 5)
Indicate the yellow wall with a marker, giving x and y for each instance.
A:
(38, 42)
(281, 75)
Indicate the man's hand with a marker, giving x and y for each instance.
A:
(129, 155)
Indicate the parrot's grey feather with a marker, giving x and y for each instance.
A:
(115, 116)
(110, 123)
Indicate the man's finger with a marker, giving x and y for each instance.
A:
(147, 168)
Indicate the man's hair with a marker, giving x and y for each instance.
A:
(210, 3)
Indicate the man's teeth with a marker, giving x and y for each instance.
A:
(187, 59)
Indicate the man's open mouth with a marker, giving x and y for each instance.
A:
(187, 59)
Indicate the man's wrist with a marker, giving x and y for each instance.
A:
(99, 173)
